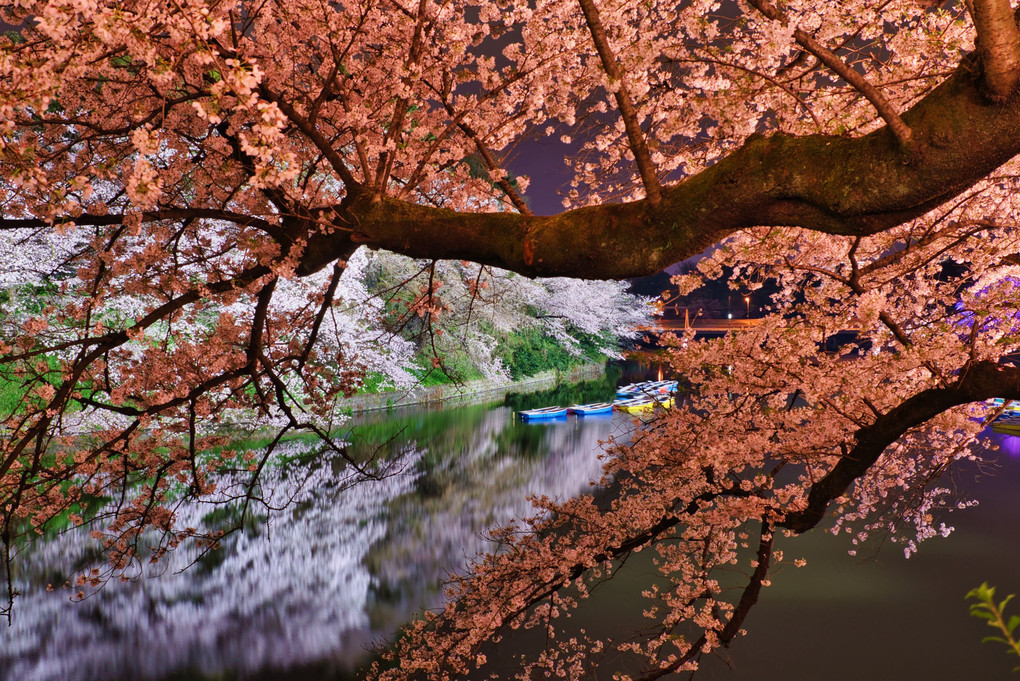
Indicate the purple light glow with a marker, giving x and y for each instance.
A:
(1010, 445)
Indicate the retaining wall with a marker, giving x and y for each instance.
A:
(471, 391)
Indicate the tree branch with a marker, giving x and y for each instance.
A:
(635, 137)
(837, 185)
(308, 128)
(886, 110)
(981, 381)
(94, 220)
(511, 192)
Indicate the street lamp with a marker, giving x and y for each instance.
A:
(747, 299)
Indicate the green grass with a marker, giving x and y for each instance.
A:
(532, 351)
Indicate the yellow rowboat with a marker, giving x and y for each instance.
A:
(1007, 424)
(642, 404)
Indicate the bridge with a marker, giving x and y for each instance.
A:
(715, 327)
(702, 325)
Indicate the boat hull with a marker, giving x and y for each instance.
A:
(1007, 425)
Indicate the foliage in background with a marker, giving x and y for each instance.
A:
(468, 321)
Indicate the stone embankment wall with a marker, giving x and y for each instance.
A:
(471, 392)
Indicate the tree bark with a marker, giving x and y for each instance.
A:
(998, 43)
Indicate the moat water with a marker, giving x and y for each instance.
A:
(304, 592)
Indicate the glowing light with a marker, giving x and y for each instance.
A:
(1011, 446)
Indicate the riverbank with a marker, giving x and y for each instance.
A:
(470, 392)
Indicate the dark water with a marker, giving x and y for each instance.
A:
(884, 617)
(346, 563)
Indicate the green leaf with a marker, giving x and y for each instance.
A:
(988, 639)
(1014, 621)
(982, 593)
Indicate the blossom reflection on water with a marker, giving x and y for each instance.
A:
(341, 566)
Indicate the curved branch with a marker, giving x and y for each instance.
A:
(837, 185)
(982, 381)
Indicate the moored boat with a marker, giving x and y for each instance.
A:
(1007, 424)
(543, 413)
(629, 391)
(632, 390)
(591, 409)
(640, 404)
(1013, 406)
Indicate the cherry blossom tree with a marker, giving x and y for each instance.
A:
(207, 154)
(462, 311)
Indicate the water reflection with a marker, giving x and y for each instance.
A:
(341, 565)
(1010, 445)
(304, 595)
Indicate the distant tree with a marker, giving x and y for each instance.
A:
(460, 312)
(206, 153)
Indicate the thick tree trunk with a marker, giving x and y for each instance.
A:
(998, 43)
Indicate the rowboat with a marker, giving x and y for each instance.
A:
(646, 388)
(1007, 424)
(591, 409)
(1012, 406)
(640, 404)
(635, 405)
(543, 413)
(628, 391)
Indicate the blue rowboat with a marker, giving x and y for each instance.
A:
(543, 413)
(1012, 406)
(629, 390)
(591, 409)
(633, 390)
